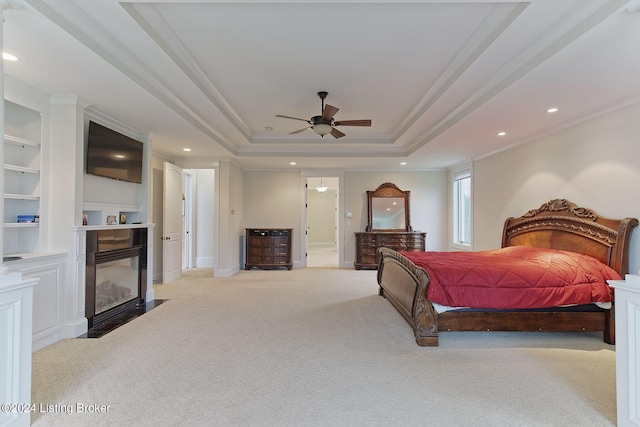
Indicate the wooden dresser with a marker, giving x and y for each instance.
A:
(268, 248)
(368, 243)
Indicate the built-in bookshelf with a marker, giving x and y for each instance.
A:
(22, 181)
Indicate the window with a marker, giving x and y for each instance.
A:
(462, 208)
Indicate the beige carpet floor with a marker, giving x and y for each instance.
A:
(322, 256)
(314, 347)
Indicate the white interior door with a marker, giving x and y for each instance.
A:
(172, 223)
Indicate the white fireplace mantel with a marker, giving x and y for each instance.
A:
(110, 227)
(76, 323)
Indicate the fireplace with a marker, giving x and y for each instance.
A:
(116, 273)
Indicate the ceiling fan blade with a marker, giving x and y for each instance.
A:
(329, 111)
(298, 131)
(289, 117)
(353, 123)
(336, 133)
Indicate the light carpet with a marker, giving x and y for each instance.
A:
(314, 347)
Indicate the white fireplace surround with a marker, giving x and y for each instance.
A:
(76, 323)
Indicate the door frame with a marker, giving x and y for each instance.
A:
(189, 223)
(340, 236)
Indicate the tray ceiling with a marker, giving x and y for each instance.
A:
(438, 79)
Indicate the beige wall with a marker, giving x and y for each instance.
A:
(595, 164)
(274, 200)
(428, 204)
(321, 217)
(236, 211)
(229, 217)
(157, 218)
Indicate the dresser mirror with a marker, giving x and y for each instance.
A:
(388, 209)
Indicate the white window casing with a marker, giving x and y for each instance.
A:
(462, 206)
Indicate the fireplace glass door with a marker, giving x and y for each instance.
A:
(116, 283)
(116, 273)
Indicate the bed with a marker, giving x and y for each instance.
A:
(558, 225)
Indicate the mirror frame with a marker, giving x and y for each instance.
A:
(388, 189)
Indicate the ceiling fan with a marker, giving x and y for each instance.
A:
(325, 123)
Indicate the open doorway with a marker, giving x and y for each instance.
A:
(322, 221)
(197, 219)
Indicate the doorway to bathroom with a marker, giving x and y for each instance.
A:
(322, 222)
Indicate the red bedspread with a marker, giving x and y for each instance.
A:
(514, 277)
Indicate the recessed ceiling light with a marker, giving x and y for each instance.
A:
(186, 149)
(403, 163)
(9, 57)
(292, 163)
(502, 133)
(552, 110)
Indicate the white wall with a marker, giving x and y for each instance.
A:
(595, 164)
(219, 209)
(101, 190)
(203, 232)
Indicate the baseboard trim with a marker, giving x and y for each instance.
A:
(204, 262)
(76, 328)
(226, 272)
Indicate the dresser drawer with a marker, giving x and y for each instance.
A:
(368, 243)
(268, 248)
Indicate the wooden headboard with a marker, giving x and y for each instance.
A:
(560, 224)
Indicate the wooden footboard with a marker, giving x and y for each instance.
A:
(405, 286)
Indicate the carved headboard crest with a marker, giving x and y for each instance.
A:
(557, 205)
(560, 224)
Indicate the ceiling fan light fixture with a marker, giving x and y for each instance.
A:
(324, 124)
(322, 129)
